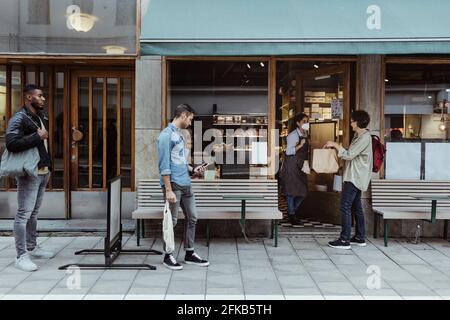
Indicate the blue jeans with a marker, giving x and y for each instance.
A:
(30, 193)
(293, 203)
(351, 201)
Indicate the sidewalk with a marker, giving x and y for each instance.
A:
(302, 267)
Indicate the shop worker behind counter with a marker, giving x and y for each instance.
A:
(28, 129)
(176, 183)
(357, 174)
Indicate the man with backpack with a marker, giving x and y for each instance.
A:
(357, 175)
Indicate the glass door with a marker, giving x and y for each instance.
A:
(325, 96)
(101, 139)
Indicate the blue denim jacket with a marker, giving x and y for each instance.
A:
(172, 156)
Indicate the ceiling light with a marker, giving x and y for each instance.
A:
(15, 61)
(80, 62)
(261, 64)
(248, 66)
(430, 97)
(81, 22)
(322, 77)
(386, 80)
(316, 66)
(447, 90)
(115, 49)
(442, 126)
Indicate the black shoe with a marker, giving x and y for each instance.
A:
(339, 244)
(358, 242)
(171, 263)
(293, 219)
(193, 258)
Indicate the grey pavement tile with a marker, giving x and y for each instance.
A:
(23, 297)
(221, 297)
(196, 274)
(285, 259)
(412, 289)
(224, 258)
(327, 276)
(254, 246)
(292, 282)
(95, 296)
(237, 292)
(186, 296)
(309, 245)
(312, 254)
(270, 296)
(380, 294)
(225, 268)
(257, 274)
(407, 259)
(331, 251)
(127, 275)
(337, 288)
(186, 287)
(155, 290)
(289, 269)
(397, 276)
(421, 269)
(351, 260)
(224, 281)
(64, 297)
(82, 291)
(34, 287)
(107, 287)
(255, 263)
(302, 293)
(317, 265)
(11, 281)
(343, 297)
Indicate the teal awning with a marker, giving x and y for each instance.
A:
(293, 27)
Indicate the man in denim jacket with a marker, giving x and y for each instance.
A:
(176, 182)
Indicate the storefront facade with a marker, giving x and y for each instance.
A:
(279, 61)
(82, 54)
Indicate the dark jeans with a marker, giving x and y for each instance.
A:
(293, 203)
(351, 201)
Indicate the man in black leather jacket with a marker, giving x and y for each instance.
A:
(28, 129)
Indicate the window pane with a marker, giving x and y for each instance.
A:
(417, 107)
(3, 123)
(111, 129)
(71, 27)
(230, 100)
(97, 133)
(58, 132)
(16, 89)
(30, 73)
(83, 125)
(125, 132)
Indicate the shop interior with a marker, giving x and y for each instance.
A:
(231, 124)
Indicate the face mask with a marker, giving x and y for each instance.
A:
(305, 126)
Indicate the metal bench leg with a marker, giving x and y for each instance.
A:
(138, 232)
(375, 225)
(386, 232)
(143, 229)
(207, 233)
(446, 229)
(276, 233)
(272, 227)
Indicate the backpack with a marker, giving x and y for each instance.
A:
(378, 152)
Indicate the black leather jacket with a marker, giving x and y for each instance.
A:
(22, 135)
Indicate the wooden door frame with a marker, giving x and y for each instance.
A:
(73, 121)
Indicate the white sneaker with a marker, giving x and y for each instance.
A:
(38, 252)
(24, 263)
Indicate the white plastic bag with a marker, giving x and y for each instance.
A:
(168, 235)
(337, 183)
(306, 169)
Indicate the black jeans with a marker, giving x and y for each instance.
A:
(351, 201)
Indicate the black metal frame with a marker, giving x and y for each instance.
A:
(113, 248)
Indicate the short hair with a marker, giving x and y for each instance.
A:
(361, 117)
(182, 108)
(300, 116)
(30, 87)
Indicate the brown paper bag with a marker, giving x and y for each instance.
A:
(325, 161)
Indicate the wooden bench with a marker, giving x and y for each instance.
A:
(410, 199)
(211, 204)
